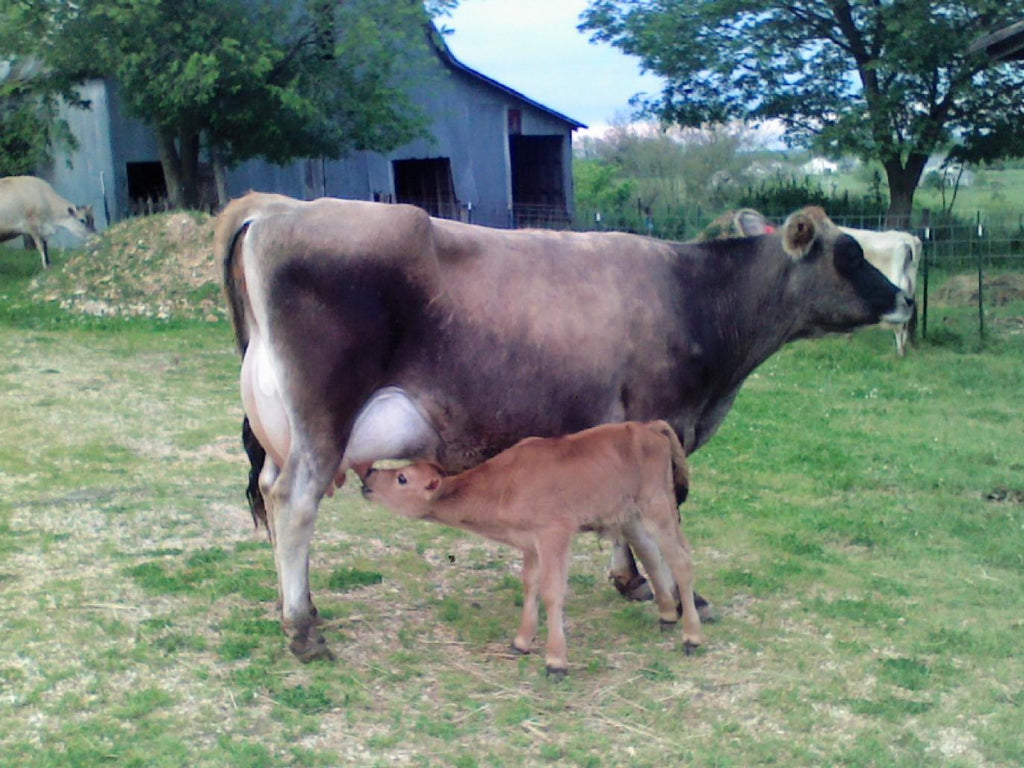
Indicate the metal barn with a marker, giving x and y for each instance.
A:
(495, 156)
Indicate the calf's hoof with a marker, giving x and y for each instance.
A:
(311, 647)
(667, 626)
(556, 674)
(519, 651)
(634, 588)
(690, 646)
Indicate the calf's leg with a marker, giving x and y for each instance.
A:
(554, 582)
(666, 592)
(627, 579)
(675, 550)
(531, 582)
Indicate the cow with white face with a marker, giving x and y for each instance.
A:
(372, 331)
(896, 255)
(30, 207)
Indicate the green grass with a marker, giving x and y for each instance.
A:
(868, 589)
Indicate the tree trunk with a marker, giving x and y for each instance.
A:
(903, 180)
(220, 177)
(171, 163)
(180, 161)
(188, 148)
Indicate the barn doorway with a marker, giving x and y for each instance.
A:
(428, 184)
(147, 188)
(538, 181)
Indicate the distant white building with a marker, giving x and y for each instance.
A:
(819, 166)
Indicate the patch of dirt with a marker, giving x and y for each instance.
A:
(962, 290)
(1006, 495)
(158, 266)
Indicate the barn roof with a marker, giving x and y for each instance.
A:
(1005, 44)
(437, 40)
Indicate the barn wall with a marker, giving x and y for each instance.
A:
(469, 126)
(80, 175)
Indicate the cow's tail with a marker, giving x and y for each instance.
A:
(227, 245)
(680, 467)
(230, 231)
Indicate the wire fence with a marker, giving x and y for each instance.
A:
(977, 250)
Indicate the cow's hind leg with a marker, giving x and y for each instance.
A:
(292, 501)
(44, 251)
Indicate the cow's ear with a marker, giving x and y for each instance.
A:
(801, 229)
(433, 485)
(751, 222)
(72, 211)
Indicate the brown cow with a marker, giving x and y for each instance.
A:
(622, 480)
(30, 207)
(372, 331)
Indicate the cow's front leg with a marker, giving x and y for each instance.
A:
(292, 503)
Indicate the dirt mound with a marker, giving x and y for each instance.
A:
(158, 266)
(962, 290)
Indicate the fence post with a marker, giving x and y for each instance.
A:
(926, 223)
(981, 282)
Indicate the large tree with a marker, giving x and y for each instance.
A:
(278, 79)
(887, 80)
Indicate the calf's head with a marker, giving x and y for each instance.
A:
(408, 491)
(839, 287)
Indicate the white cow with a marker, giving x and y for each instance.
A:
(896, 255)
(30, 207)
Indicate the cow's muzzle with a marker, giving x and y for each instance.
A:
(902, 311)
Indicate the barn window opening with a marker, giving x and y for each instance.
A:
(538, 181)
(147, 188)
(428, 184)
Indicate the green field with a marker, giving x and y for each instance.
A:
(858, 524)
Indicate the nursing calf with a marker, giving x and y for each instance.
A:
(621, 480)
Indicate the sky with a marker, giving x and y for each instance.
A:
(533, 47)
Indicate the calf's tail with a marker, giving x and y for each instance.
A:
(680, 468)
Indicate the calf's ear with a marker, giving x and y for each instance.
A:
(434, 484)
(801, 229)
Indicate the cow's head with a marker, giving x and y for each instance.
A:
(80, 220)
(839, 287)
(407, 490)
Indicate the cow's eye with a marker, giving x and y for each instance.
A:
(402, 479)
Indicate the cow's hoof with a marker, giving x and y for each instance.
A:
(635, 588)
(706, 611)
(313, 647)
(667, 626)
(556, 674)
(690, 647)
